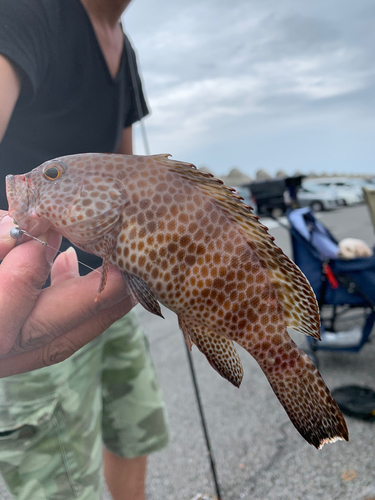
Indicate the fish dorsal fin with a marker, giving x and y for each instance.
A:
(293, 289)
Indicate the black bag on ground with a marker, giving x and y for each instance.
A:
(356, 401)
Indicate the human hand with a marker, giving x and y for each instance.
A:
(42, 327)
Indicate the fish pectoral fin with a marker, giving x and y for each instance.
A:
(142, 293)
(219, 351)
(109, 242)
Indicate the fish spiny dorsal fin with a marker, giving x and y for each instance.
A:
(293, 289)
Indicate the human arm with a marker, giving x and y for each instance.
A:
(10, 87)
(43, 327)
(126, 145)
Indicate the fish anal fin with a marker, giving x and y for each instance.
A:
(142, 293)
(301, 390)
(219, 351)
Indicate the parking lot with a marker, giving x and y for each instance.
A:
(259, 455)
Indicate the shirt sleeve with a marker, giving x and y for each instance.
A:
(25, 28)
(138, 108)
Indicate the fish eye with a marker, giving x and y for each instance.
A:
(53, 172)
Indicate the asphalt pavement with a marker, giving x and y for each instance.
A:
(259, 455)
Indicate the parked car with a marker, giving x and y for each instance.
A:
(274, 196)
(318, 199)
(360, 182)
(350, 193)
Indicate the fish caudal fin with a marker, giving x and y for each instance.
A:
(301, 390)
(219, 351)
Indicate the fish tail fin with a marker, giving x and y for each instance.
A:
(301, 390)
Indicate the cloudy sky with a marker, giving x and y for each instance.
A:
(272, 84)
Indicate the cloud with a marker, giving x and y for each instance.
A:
(215, 71)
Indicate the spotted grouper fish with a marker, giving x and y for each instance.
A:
(181, 238)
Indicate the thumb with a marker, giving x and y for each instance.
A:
(65, 267)
(6, 241)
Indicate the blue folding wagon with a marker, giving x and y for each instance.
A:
(340, 286)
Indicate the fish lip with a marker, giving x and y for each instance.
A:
(12, 194)
(22, 198)
(21, 194)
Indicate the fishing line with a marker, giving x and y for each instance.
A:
(204, 423)
(137, 96)
(16, 233)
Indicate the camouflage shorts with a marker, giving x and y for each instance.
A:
(53, 420)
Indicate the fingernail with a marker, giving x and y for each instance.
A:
(72, 261)
(53, 242)
(6, 224)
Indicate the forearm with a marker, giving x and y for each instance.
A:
(126, 144)
(10, 86)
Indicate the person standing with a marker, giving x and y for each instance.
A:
(69, 84)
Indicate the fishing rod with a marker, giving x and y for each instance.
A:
(203, 421)
(189, 355)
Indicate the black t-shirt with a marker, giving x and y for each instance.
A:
(69, 102)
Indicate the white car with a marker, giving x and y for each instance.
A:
(350, 193)
(318, 199)
(362, 183)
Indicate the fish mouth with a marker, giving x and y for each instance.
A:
(21, 194)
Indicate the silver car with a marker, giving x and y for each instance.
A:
(317, 198)
(350, 193)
